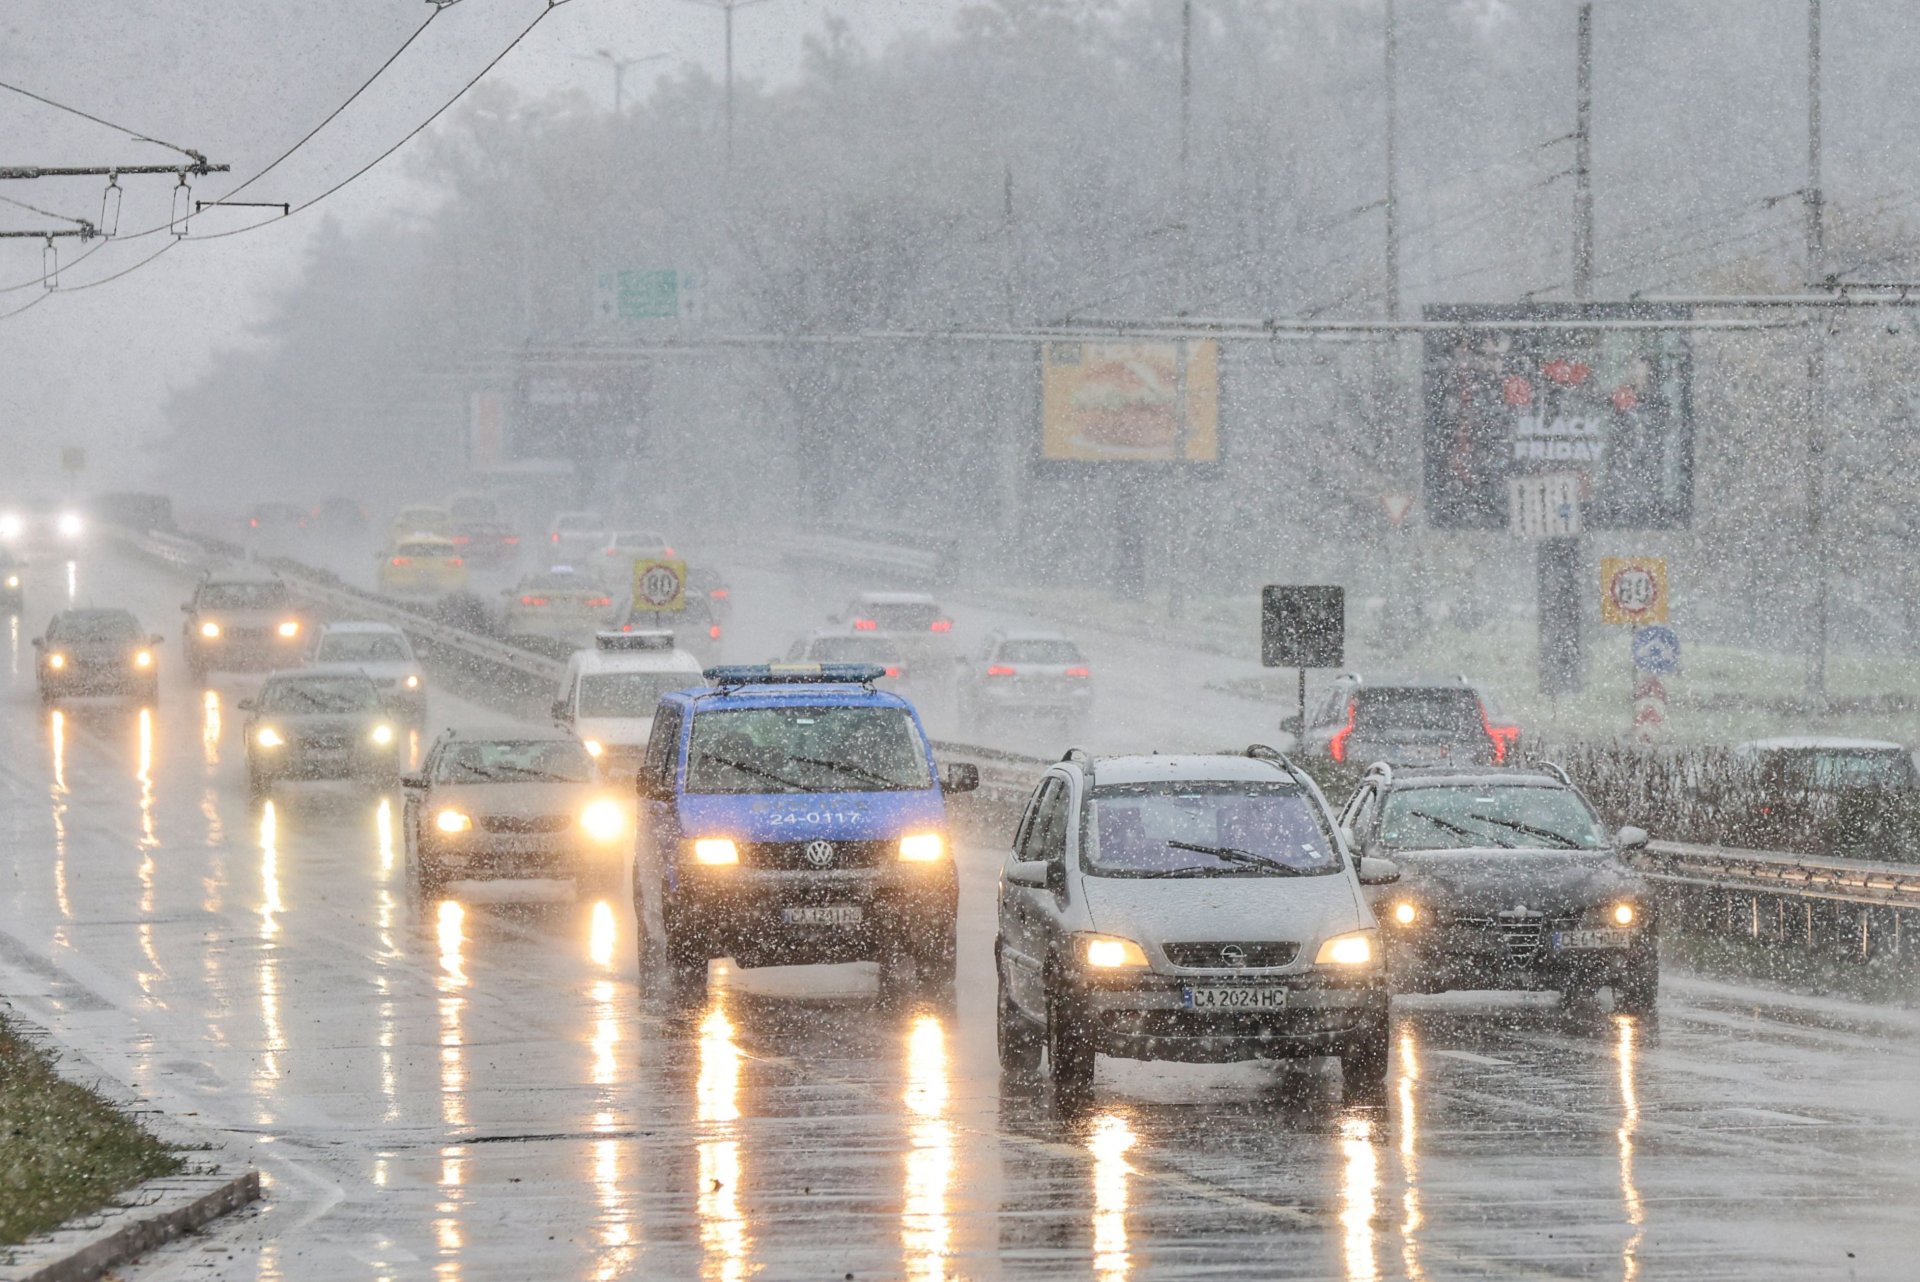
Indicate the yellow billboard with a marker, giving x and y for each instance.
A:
(1131, 402)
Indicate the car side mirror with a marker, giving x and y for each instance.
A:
(1632, 838)
(962, 776)
(1293, 723)
(414, 779)
(156, 639)
(559, 709)
(648, 787)
(1056, 875)
(1375, 871)
(39, 643)
(245, 705)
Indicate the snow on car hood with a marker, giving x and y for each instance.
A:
(1486, 881)
(1160, 910)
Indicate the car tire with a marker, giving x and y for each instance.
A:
(1070, 1052)
(1363, 1068)
(1638, 992)
(1017, 1040)
(686, 962)
(150, 693)
(431, 874)
(258, 784)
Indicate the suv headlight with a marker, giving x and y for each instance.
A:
(210, 630)
(143, 658)
(290, 629)
(56, 661)
(1110, 952)
(923, 848)
(451, 821)
(268, 737)
(1623, 914)
(382, 735)
(1355, 948)
(603, 820)
(1405, 913)
(413, 681)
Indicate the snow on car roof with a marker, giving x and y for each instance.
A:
(240, 572)
(599, 661)
(359, 626)
(1831, 743)
(897, 598)
(1185, 768)
(1034, 634)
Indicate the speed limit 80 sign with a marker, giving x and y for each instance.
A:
(659, 585)
(1633, 589)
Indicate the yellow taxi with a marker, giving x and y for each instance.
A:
(420, 518)
(422, 565)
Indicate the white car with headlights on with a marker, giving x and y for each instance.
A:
(319, 723)
(383, 652)
(1199, 909)
(609, 693)
(488, 805)
(241, 617)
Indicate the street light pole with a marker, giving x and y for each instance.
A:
(726, 8)
(620, 67)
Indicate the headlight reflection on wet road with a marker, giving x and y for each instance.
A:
(1624, 1055)
(925, 1232)
(723, 1228)
(1411, 1219)
(450, 934)
(1359, 1198)
(58, 728)
(272, 1036)
(210, 726)
(148, 841)
(1112, 1135)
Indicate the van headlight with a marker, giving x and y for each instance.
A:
(413, 681)
(594, 747)
(452, 821)
(1111, 952)
(289, 630)
(923, 848)
(716, 850)
(603, 820)
(1354, 948)
(1405, 913)
(143, 659)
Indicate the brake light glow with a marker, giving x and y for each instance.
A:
(1079, 672)
(1000, 670)
(865, 625)
(254, 522)
(1337, 746)
(402, 560)
(1503, 737)
(512, 540)
(611, 552)
(533, 600)
(555, 536)
(599, 600)
(720, 594)
(456, 561)
(714, 632)
(892, 672)
(463, 539)
(940, 625)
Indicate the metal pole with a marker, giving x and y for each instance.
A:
(1816, 368)
(727, 8)
(1393, 163)
(619, 86)
(1583, 161)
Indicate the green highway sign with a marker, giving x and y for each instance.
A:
(638, 295)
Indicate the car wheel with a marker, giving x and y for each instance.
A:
(1069, 1052)
(258, 785)
(1018, 1041)
(1363, 1068)
(432, 876)
(1638, 992)
(686, 959)
(150, 693)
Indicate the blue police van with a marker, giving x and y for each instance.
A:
(791, 814)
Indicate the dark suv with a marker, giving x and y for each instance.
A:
(1508, 881)
(1413, 721)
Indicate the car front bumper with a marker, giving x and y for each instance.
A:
(1147, 1017)
(487, 856)
(743, 912)
(104, 679)
(297, 760)
(1465, 958)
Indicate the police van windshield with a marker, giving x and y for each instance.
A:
(629, 694)
(1221, 828)
(747, 750)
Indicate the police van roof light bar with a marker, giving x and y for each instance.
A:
(746, 674)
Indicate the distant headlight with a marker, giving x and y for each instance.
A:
(923, 848)
(593, 746)
(1110, 952)
(56, 661)
(210, 630)
(1624, 915)
(382, 734)
(268, 737)
(11, 525)
(70, 525)
(143, 659)
(1354, 949)
(716, 850)
(1405, 913)
(452, 821)
(13, 580)
(603, 820)
(413, 682)
(289, 629)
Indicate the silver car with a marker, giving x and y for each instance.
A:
(516, 803)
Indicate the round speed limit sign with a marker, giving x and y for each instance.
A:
(660, 585)
(1634, 590)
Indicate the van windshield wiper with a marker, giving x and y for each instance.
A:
(848, 768)
(748, 768)
(1233, 854)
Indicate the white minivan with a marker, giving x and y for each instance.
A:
(608, 694)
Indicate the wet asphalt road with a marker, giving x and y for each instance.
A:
(476, 1087)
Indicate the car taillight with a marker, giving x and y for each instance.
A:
(611, 552)
(402, 560)
(456, 561)
(1079, 672)
(865, 625)
(893, 672)
(720, 594)
(1337, 746)
(254, 521)
(940, 625)
(999, 670)
(461, 540)
(533, 600)
(714, 632)
(555, 536)
(1502, 737)
(513, 540)
(668, 551)
(599, 600)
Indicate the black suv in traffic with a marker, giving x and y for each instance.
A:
(1413, 721)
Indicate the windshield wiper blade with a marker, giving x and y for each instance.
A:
(748, 768)
(1232, 854)
(1514, 825)
(1455, 828)
(858, 772)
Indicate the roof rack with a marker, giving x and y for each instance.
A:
(1273, 756)
(1082, 758)
(1554, 769)
(1381, 770)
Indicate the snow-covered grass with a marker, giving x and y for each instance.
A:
(64, 1151)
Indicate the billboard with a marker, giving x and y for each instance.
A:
(1130, 402)
(1529, 397)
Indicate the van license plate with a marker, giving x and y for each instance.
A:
(822, 915)
(1234, 998)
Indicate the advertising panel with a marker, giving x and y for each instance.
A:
(1555, 394)
(1131, 402)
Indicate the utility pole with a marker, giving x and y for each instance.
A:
(1583, 161)
(1393, 162)
(1816, 367)
(620, 67)
(726, 8)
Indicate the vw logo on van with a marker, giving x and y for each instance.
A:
(819, 853)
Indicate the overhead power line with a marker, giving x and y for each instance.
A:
(135, 134)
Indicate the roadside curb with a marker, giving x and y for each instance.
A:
(214, 1183)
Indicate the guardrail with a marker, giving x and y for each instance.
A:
(888, 563)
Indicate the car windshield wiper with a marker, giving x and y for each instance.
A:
(1192, 870)
(1514, 825)
(526, 772)
(1453, 828)
(749, 768)
(858, 772)
(1233, 854)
